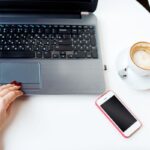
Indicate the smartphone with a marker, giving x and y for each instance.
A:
(118, 114)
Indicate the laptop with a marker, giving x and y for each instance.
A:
(51, 46)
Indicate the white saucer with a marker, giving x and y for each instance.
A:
(128, 75)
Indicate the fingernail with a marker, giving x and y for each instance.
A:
(19, 84)
(13, 82)
(16, 83)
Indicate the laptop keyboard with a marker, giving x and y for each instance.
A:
(48, 41)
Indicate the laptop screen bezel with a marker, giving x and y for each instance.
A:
(49, 6)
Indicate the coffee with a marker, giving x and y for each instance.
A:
(139, 59)
(142, 58)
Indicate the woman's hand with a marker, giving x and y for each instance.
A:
(8, 93)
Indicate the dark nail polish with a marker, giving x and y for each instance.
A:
(16, 83)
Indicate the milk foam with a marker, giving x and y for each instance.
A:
(142, 59)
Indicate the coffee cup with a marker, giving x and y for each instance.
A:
(139, 58)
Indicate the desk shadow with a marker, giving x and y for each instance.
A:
(15, 110)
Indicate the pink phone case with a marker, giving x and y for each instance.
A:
(112, 122)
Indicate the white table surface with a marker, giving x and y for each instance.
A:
(74, 122)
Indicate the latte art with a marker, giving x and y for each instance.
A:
(139, 58)
(142, 58)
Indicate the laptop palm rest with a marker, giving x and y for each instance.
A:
(26, 73)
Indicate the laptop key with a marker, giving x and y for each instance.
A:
(62, 53)
(70, 56)
(66, 36)
(55, 56)
(62, 56)
(17, 54)
(65, 31)
(94, 54)
(65, 42)
(93, 41)
(74, 31)
(47, 54)
(39, 54)
(88, 55)
(63, 48)
(48, 30)
(80, 54)
(1, 47)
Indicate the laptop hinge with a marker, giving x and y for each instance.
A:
(85, 13)
(62, 15)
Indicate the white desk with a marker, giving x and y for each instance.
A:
(74, 122)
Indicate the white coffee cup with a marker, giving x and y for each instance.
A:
(139, 58)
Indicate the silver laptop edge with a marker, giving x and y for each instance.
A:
(82, 76)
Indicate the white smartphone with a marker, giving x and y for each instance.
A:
(124, 121)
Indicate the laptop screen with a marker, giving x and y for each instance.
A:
(52, 6)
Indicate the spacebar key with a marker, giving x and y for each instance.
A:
(17, 54)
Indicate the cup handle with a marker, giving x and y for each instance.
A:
(123, 72)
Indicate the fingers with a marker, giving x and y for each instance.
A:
(8, 110)
(11, 96)
(5, 86)
(8, 93)
(8, 89)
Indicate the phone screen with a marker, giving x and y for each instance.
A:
(118, 113)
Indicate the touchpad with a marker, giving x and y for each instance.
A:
(26, 73)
